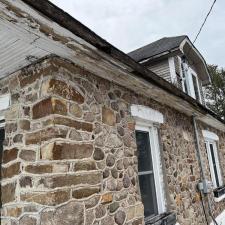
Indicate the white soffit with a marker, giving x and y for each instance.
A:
(146, 114)
(210, 135)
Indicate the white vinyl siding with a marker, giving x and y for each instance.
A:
(162, 69)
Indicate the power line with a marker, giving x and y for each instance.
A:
(204, 21)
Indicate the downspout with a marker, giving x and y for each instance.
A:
(203, 185)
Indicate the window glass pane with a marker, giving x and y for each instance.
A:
(148, 194)
(146, 180)
(214, 164)
(196, 87)
(144, 151)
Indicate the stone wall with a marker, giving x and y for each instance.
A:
(70, 152)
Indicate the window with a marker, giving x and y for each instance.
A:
(149, 165)
(190, 82)
(149, 170)
(211, 148)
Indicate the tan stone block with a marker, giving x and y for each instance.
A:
(27, 155)
(24, 124)
(10, 171)
(39, 169)
(9, 155)
(58, 151)
(85, 192)
(108, 116)
(9, 192)
(62, 89)
(49, 106)
(85, 165)
(12, 113)
(46, 198)
(91, 178)
(106, 198)
(130, 213)
(45, 135)
(13, 211)
(75, 110)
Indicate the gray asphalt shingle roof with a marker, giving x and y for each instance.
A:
(157, 47)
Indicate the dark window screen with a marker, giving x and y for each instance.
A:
(146, 175)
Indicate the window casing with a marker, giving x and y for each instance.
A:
(149, 170)
(211, 141)
(190, 82)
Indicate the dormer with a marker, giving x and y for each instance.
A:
(178, 61)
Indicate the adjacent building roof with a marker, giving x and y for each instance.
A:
(155, 48)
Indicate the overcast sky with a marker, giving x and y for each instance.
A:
(129, 24)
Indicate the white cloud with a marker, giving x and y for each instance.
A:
(134, 23)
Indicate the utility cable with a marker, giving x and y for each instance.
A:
(204, 21)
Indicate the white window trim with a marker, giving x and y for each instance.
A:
(156, 161)
(210, 135)
(189, 81)
(192, 90)
(212, 138)
(173, 74)
(220, 219)
(4, 104)
(146, 120)
(146, 115)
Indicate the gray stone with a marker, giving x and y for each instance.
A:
(110, 160)
(98, 154)
(120, 217)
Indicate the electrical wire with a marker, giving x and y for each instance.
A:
(204, 21)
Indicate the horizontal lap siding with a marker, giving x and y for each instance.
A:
(162, 69)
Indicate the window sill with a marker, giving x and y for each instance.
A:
(162, 219)
(219, 194)
(219, 199)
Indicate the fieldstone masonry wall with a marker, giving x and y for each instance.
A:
(70, 153)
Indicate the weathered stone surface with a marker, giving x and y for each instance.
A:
(120, 217)
(49, 106)
(46, 198)
(75, 110)
(18, 138)
(24, 124)
(98, 154)
(85, 165)
(71, 213)
(45, 135)
(10, 155)
(58, 151)
(113, 141)
(108, 116)
(113, 207)
(91, 178)
(72, 123)
(84, 192)
(10, 127)
(39, 169)
(110, 160)
(108, 220)
(106, 198)
(28, 155)
(126, 181)
(25, 181)
(9, 192)
(62, 89)
(75, 135)
(92, 202)
(14, 211)
(100, 211)
(10, 171)
(27, 220)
